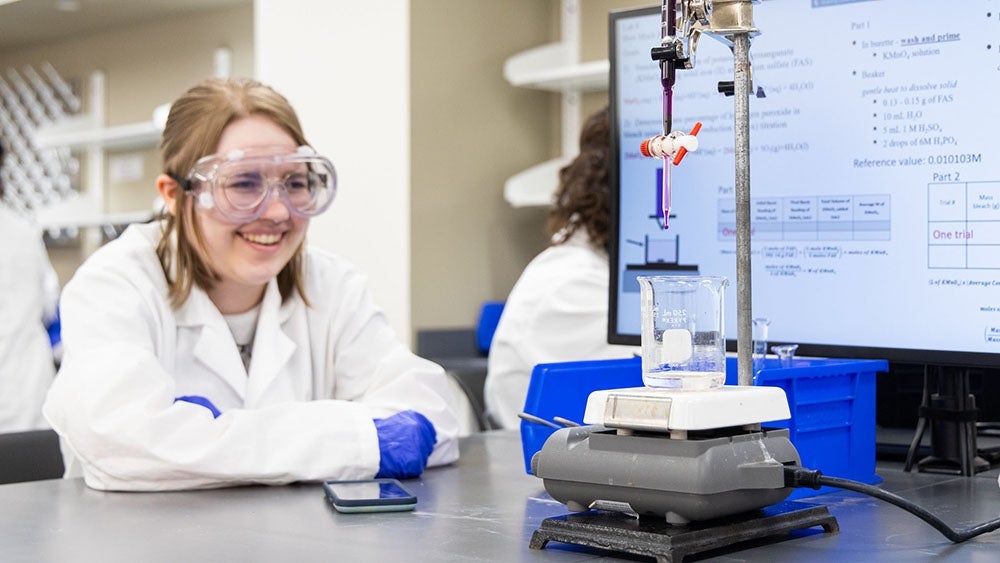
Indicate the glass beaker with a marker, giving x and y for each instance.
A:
(786, 353)
(760, 325)
(683, 332)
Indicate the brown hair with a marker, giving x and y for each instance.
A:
(193, 129)
(582, 198)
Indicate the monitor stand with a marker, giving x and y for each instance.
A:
(951, 413)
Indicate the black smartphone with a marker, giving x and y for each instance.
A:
(369, 495)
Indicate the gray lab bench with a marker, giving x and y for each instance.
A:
(485, 508)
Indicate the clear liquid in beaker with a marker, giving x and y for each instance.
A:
(683, 341)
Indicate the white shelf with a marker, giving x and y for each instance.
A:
(535, 186)
(126, 218)
(554, 67)
(81, 212)
(551, 68)
(79, 132)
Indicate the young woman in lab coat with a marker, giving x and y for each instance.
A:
(215, 348)
(29, 293)
(558, 309)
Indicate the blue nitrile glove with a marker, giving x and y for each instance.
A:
(199, 400)
(405, 441)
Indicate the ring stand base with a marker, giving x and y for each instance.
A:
(654, 537)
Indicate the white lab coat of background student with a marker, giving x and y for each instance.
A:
(556, 312)
(29, 293)
(319, 374)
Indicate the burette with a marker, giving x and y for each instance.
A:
(731, 22)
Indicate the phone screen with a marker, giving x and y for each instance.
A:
(360, 490)
(371, 495)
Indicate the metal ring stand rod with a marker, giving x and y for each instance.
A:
(744, 313)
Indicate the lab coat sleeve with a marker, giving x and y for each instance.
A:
(570, 322)
(371, 367)
(556, 313)
(26, 359)
(113, 405)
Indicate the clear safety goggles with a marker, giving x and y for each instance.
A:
(241, 183)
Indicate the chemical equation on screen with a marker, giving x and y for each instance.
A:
(797, 270)
(779, 252)
(810, 260)
(634, 130)
(755, 148)
(907, 120)
(780, 59)
(812, 252)
(957, 282)
(712, 68)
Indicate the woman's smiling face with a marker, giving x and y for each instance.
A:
(246, 256)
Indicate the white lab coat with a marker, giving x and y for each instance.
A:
(318, 376)
(556, 312)
(29, 292)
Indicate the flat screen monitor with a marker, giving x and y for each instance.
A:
(874, 177)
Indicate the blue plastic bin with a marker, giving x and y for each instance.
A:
(562, 390)
(832, 405)
(832, 402)
(489, 318)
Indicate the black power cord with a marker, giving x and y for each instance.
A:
(814, 479)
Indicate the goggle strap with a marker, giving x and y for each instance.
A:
(184, 183)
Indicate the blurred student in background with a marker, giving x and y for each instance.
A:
(558, 309)
(29, 294)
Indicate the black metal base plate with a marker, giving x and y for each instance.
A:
(670, 544)
(951, 466)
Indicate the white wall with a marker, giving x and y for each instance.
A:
(344, 65)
